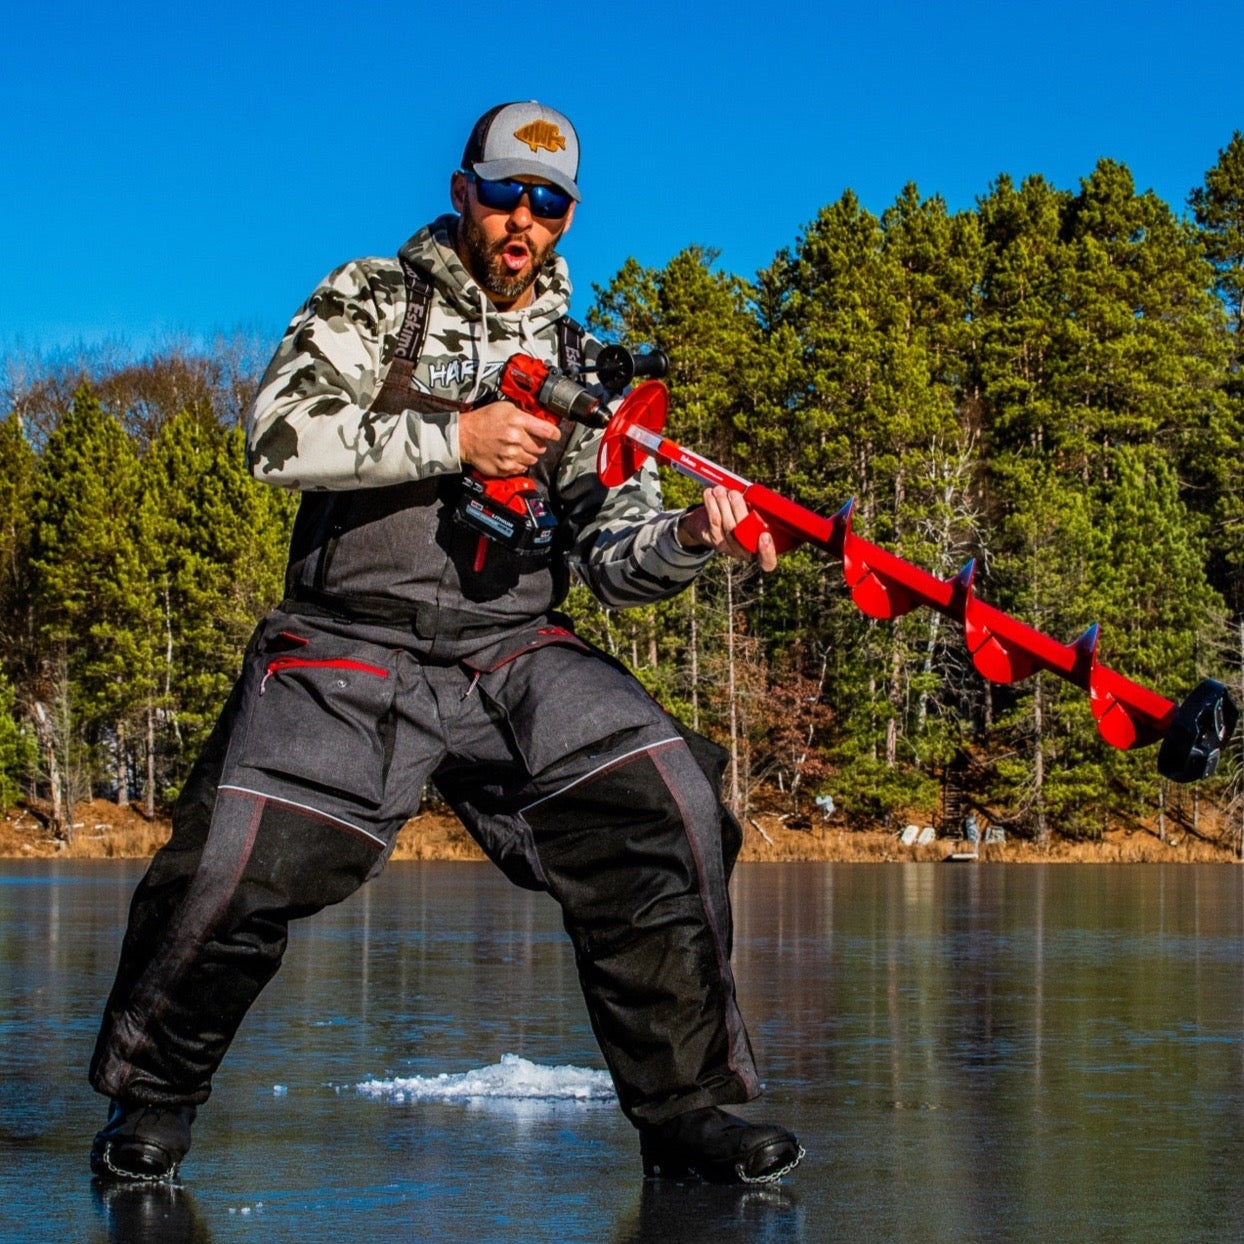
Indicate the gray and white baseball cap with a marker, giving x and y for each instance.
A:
(524, 139)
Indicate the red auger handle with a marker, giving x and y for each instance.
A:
(787, 521)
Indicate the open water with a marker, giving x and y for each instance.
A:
(969, 1052)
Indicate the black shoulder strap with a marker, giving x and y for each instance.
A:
(570, 338)
(414, 331)
(395, 394)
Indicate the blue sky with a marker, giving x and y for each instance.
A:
(184, 171)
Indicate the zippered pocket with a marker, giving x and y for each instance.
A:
(280, 664)
(324, 717)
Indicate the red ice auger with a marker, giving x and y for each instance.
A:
(882, 585)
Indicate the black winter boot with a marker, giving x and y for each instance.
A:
(142, 1144)
(718, 1147)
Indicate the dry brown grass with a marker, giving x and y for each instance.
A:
(104, 831)
(1118, 846)
(101, 830)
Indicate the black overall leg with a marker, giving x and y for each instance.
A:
(253, 847)
(174, 1012)
(625, 829)
(634, 855)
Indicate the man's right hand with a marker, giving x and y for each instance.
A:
(502, 439)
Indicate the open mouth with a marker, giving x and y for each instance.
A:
(515, 256)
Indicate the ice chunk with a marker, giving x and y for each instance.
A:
(513, 1078)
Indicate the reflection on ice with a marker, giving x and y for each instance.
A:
(513, 1078)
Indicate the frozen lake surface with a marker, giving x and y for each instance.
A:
(968, 1053)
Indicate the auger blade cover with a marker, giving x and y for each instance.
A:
(1202, 728)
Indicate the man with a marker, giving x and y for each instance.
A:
(400, 655)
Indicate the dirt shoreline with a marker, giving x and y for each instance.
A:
(104, 831)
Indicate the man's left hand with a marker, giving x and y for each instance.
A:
(711, 526)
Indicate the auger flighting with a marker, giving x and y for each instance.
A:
(1193, 734)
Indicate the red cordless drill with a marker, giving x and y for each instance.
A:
(512, 510)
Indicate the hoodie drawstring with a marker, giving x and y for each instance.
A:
(528, 341)
(476, 347)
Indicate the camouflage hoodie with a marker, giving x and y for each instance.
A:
(380, 479)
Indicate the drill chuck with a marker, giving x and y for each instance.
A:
(567, 399)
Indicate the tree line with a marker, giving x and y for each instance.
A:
(1048, 382)
(137, 556)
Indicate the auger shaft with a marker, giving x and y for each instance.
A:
(883, 585)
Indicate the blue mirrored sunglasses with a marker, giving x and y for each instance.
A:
(548, 202)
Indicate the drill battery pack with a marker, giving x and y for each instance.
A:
(512, 512)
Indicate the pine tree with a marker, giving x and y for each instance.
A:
(703, 321)
(1218, 207)
(18, 751)
(1020, 313)
(1160, 617)
(1038, 383)
(217, 542)
(93, 604)
(875, 408)
(17, 475)
(1100, 340)
(1041, 740)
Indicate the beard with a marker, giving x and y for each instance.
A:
(485, 264)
